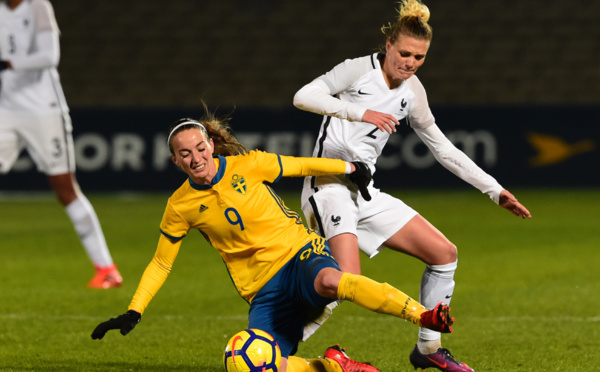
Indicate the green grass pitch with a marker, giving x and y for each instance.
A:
(526, 297)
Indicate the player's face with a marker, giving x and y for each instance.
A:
(193, 154)
(403, 58)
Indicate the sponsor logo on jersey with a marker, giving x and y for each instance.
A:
(360, 91)
(202, 208)
(239, 184)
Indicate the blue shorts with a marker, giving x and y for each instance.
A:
(283, 306)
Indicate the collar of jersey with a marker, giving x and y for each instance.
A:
(216, 178)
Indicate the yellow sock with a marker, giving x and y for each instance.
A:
(324, 365)
(379, 297)
(296, 364)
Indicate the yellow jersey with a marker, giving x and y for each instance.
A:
(241, 217)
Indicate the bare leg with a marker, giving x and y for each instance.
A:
(344, 248)
(420, 239)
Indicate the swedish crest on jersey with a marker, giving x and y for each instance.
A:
(239, 184)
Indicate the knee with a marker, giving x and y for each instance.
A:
(451, 253)
(445, 254)
(65, 188)
(327, 282)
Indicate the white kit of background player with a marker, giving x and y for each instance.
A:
(34, 116)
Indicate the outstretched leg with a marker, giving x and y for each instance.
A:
(335, 359)
(381, 298)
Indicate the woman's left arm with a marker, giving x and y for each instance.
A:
(300, 166)
(458, 162)
(461, 165)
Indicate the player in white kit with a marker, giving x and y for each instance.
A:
(363, 100)
(34, 116)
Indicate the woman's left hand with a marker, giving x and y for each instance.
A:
(510, 203)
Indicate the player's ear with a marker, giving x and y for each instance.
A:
(174, 160)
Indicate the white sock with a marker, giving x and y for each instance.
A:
(88, 228)
(429, 346)
(437, 285)
(313, 324)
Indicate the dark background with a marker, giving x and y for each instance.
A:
(518, 81)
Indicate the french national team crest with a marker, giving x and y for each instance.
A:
(239, 184)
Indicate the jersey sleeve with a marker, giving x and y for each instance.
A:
(44, 16)
(265, 166)
(300, 167)
(318, 95)
(47, 46)
(420, 116)
(271, 167)
(346, 73)
(458, 162)
(155, 274)
(173, 225)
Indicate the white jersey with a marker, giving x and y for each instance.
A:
(360, 81)
(29, 40)
(344, 93)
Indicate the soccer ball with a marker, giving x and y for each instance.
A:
(252, 350)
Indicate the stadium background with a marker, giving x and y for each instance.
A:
(508, 82)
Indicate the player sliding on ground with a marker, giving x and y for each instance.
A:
(282, 269)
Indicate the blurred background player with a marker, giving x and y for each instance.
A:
(280, 267)
(34, 115)
(363, 101)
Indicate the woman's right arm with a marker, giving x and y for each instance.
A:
(156, 273)
(317, 97)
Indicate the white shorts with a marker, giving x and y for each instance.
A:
(47, 138)
(338, 208)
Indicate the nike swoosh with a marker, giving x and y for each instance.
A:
(442, 366)
(364, 93)
(448, 296)
(233, 347)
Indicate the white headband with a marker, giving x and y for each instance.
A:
(182, 124)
